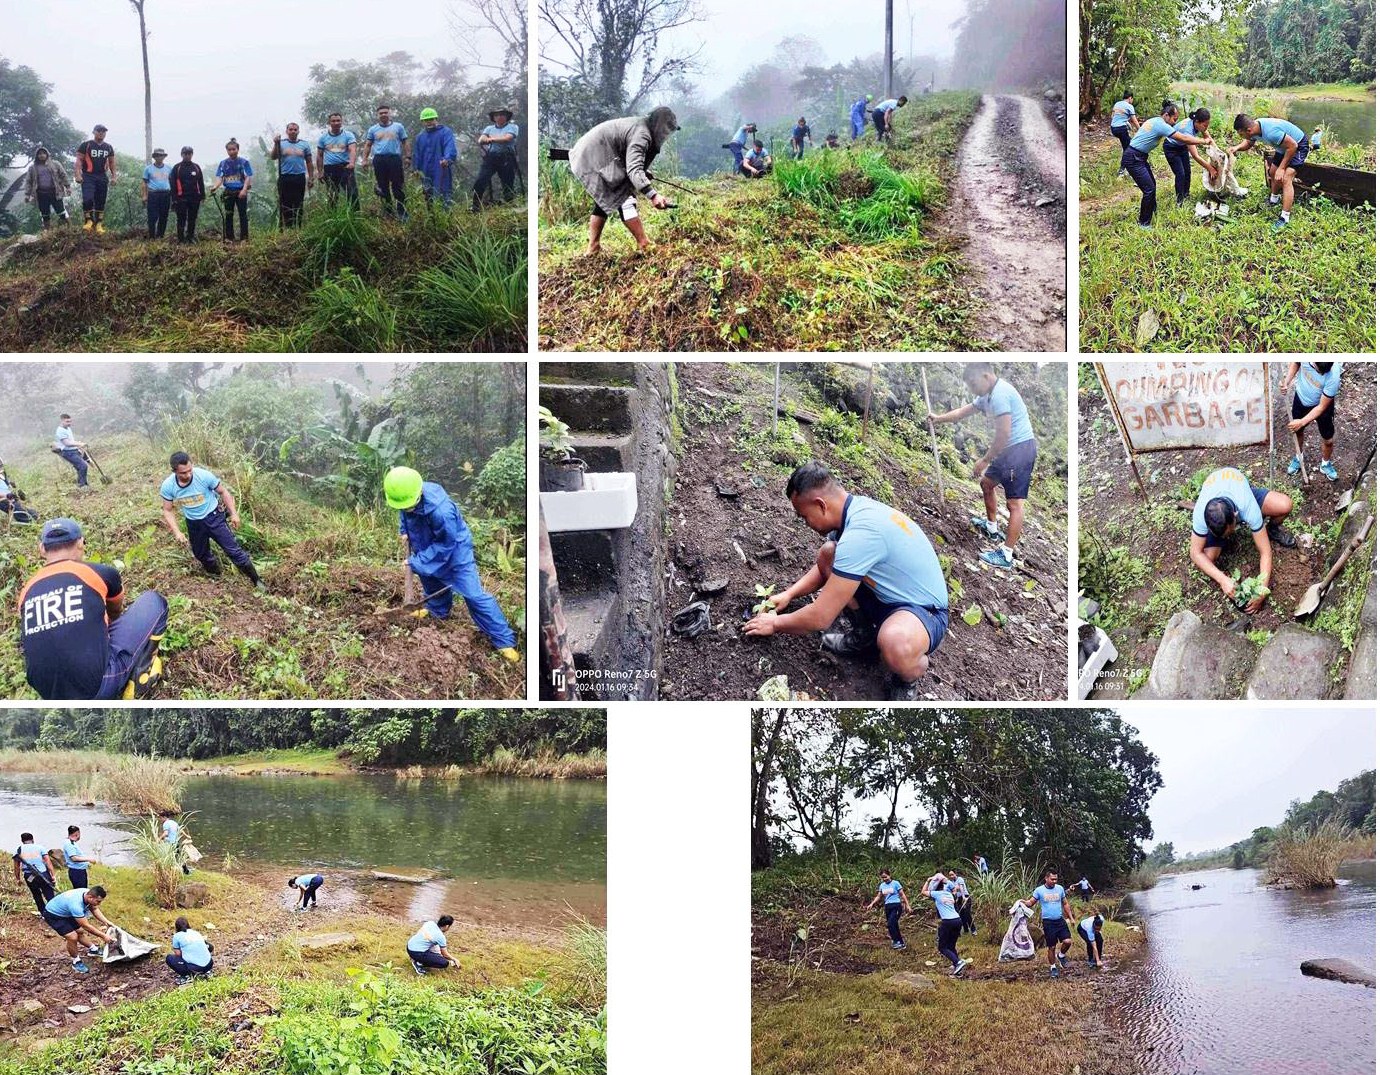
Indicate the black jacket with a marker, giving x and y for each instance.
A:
(187, 181)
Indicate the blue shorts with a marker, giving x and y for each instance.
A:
(1212, 542)
(1300, 155)
(1055, 930)
(1012, 469)
(63, 925)
(934, 620)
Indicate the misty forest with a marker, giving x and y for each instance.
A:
(352, 278)
(905, 243)
(304, 450)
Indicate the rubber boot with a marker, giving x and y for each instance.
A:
(508, 653)
(100, 226)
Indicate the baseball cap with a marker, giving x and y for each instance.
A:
(99, 127)
(58, 532)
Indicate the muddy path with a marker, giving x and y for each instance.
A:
(1159, 535)
(1024, 657)
(1009, 202)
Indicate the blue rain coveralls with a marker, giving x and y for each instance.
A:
(442, 554)
(429, 149)
(858, 117)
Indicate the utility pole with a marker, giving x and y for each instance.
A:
(886, 55)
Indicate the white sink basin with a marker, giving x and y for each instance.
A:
(607, 502)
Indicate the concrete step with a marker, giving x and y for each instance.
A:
(585, 560)
(590, 408)
(619, 374)
(604, 452)
(590, 625)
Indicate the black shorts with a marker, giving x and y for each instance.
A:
(935, 620)
(1326, 427)
(1055, 930)
(1012, 469)
(1300, 155)
(603, 214)
(60, 923)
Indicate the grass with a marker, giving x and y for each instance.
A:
(839, 251)
(348, 281)
(132, 783)
(160, 859)
(545, 764)
(1308, 857)
(312, 761)
(1318, 91)
(1230, 288)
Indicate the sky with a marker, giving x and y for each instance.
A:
(218, 70)
(735, 38)
(1226, 773)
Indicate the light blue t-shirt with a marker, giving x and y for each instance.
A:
(891, 890)
(1315, 140)
(171, 829)
(427, 938)
(1274, 131)
(882, 548)
(1004, 399)
(70, 904)
(158, 178)
(1184, 126)
(1232, 485)
(740, 135)
(944, 903)
(4, 487)
(1312, 384)
(1152, 132)
(1122, 112)
(1051, 901)
(981, 864)
(387, 140)
(69, 850)
(63, 436)
(507, 128)
(756, 157)
(31, 859)
(960, 887)
(197, 499)
(891, 104)
(1088, 927)
(306, 879)
(192, 947)
(293, 156)
(336, 147)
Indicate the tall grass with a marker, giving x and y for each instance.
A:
(562, 198)
(161, 858)
(132, 783)
(995, 891)
(478, 295)
(547, 764)
(1141, 878)
(349, 314)
(337, 236)
(1308, 857)
(588, 946)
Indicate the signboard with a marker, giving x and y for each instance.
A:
(1161, 406)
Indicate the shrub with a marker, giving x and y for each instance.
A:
(1308, 856)
(478, 296)
(502, 483)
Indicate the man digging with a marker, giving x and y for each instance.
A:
(1227, 500)
(878, 564)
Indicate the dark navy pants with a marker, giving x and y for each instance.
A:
(160, 201)
(736, 148)
(94, 189)
(201, 532)
(1123, 135)
(40, 888)
(1137, 165)
(309, 893)
(133, 638)
(183, 969)
(893, 922)
(73, 456)
(1182, 168)
(429, 959)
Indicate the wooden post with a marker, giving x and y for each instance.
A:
(1270, 416)
(867, 403)
(934, 440)
(776, 400)
(1121, 428)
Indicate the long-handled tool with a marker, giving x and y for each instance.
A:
(86, 454)
(934, 440)
(1350, 494)
(1312, 597)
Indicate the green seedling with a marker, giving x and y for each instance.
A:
(972, 615)
(763, 599)
(1247, 590)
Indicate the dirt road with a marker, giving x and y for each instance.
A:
(1009, 201)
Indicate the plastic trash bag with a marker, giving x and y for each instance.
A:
(1225, 183)
(126, 946)
(1017, 943)
(190, 852)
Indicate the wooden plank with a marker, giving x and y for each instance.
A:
(1348, 186)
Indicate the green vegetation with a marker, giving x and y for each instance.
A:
(306, 466)
(1308, 857)
(518, 742)
(1108, 574)
(836, 252)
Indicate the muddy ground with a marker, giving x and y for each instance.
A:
(1009, 202)
(1110, 505)
(1026, 659)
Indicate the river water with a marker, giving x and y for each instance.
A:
(1221, 991)
(1347, 122)
(520, 852)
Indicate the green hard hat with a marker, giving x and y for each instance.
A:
(402, 488)
(429, 113)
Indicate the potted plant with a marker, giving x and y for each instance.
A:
(561, 472)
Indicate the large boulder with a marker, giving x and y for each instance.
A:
(1198, 661)
(1338, 970)
(1295, 664)
(193, 894)
(27, 1012)
(908, 983)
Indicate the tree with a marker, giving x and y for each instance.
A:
(155, 395)
(1161, 857)
(138, 8)
(1010, 45)
(764, 744)
(506, 19)
(28, 119)
(608, 43)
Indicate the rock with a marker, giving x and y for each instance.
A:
(193, 894)
(711, 587)
(1295, 664)
(1040, 203)
(1198, 661)
(1338, 970)
(402, 878)
(8, 252)
(908, 983)
(78, 1009)
(1360, 677)
(28, 1011)
(324, 942)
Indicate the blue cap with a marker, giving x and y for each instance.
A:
(58, 532)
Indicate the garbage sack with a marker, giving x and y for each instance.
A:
(1017, 943)
(1225, 183)
(190, 853)
(126, 946)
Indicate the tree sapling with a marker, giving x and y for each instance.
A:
(763, 600)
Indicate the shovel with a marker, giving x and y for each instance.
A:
(1312, 597)
(86, 453)
(1345, 502)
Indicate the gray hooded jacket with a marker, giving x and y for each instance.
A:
(61, 184)
(611, 160)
